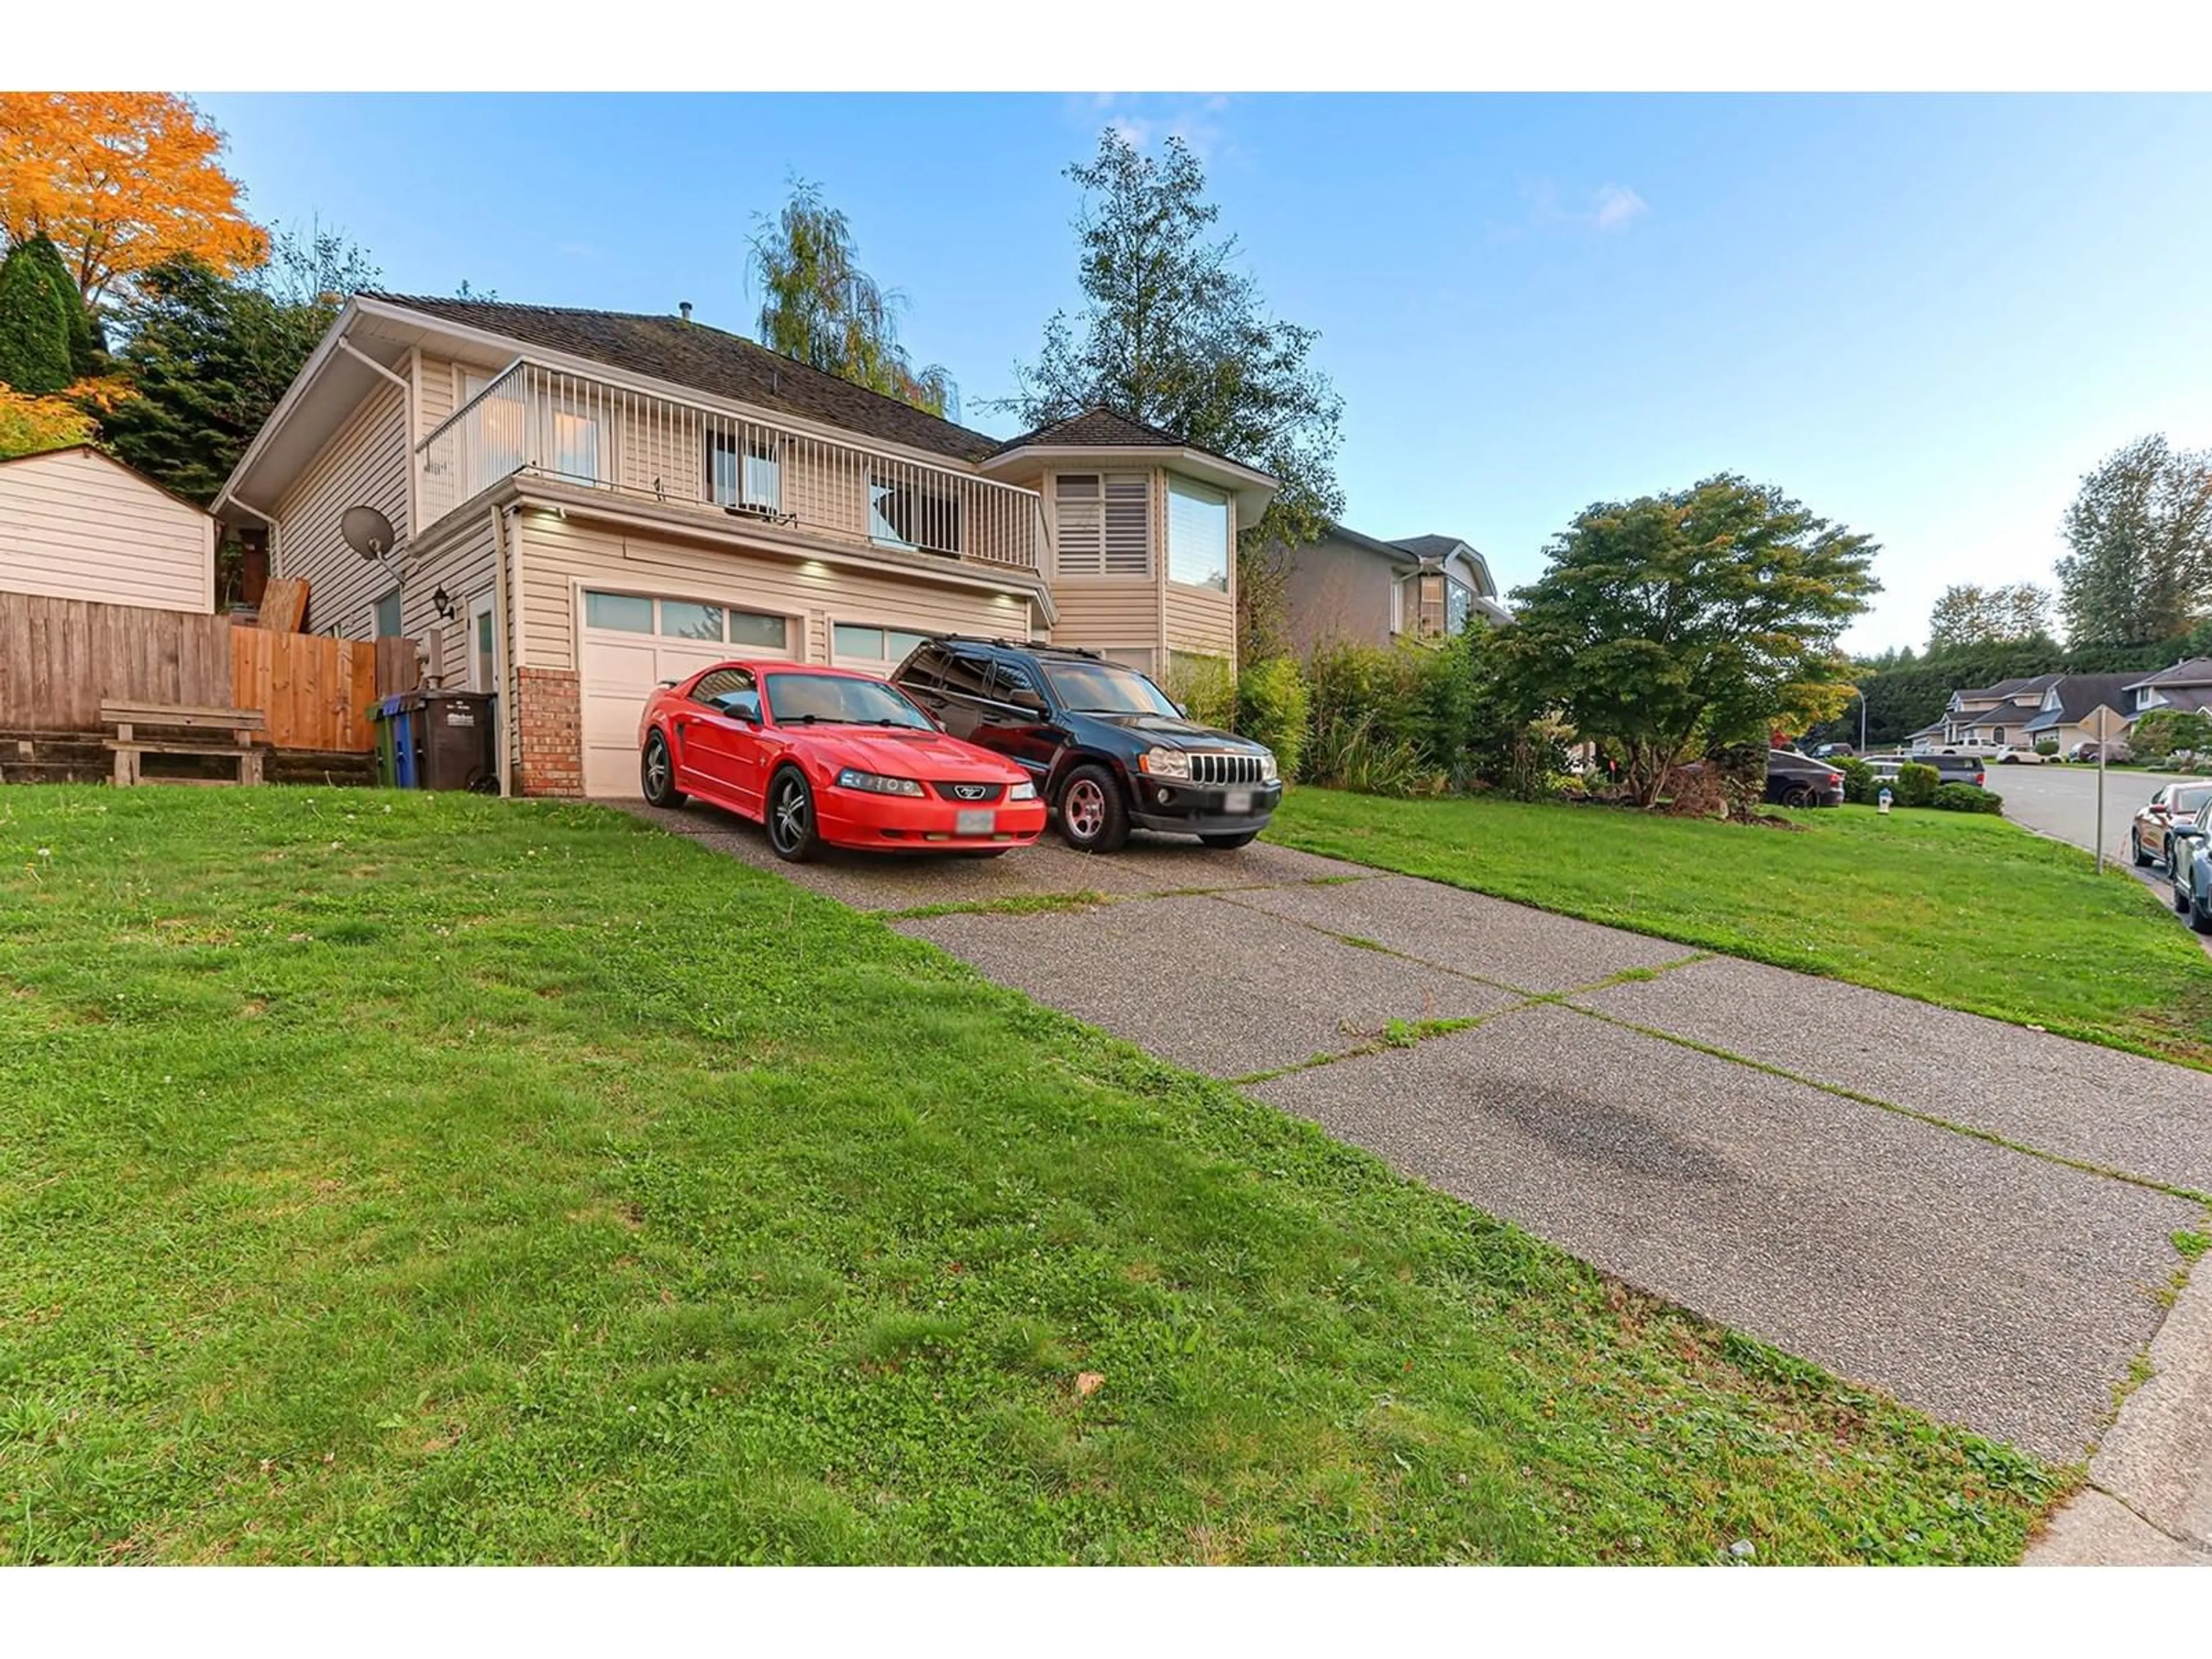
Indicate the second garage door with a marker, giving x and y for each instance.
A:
(629, 643)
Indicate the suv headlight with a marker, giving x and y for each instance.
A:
(875, 784)
(1021, 791)
(1165, 762)
(1268, 772)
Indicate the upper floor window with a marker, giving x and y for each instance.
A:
(573, 443)
(905, 512)
(1101, 524)
(745, 471)
(1198, 535)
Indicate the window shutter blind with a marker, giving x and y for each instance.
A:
(1128, 539)
(1079, 524)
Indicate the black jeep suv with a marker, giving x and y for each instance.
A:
(1110, 749)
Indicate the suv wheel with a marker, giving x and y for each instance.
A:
(1092, 817)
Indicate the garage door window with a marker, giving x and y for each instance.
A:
(681, 620)
(685, 619)
(873, 645)
(625, 613)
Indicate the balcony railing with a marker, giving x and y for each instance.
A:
(579, 431)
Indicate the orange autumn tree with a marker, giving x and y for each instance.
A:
(120, 181)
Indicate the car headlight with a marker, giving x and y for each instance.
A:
(875, 784)
(1021, 791)
(1165, 762)
(1268, 773)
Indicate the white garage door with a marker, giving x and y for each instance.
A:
(629, 643)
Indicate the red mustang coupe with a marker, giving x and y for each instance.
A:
(827, 755)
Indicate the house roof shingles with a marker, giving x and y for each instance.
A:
(706, 359)
(1098, 428)
(2005, 713)
(2196, 671)
(1428, 547)
(2079, 695)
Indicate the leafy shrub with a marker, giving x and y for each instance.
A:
(1964, 797)
(1916, 784)
(1860, 785)
(1421, 698)
(1204, 686)
(1351, 751)
(1271, 708)
(2163, 731)
(2047, 747)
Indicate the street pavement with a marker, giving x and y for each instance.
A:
(1990, 1239)
(2061, 801)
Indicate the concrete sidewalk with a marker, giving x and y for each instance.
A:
(1990, 1239)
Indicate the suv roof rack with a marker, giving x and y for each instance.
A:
(1020, 644)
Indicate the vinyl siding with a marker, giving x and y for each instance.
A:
(365, 461)
(462, 563)
(558, 554)
(1334, 593)
(1200, 621)
(75, 526)
(1098, 614)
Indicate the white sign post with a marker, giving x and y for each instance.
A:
(2104, 720)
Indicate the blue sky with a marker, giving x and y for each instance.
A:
(1924, 317)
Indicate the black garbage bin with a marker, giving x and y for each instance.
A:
(455, 735)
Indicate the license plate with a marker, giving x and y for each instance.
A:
(975, 823)
(1236, 800)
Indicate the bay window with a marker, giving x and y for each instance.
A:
(1198, 535)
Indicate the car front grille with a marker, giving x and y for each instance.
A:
(969, 794)
(1225, 769)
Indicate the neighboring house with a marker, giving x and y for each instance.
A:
(1350, 588)
(77, 524)
(589, 502)
(1989, 715)
(2082, 708)
(2186, 685)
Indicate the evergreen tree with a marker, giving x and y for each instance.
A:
(34, 333)
(87, 347)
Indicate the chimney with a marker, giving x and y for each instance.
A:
(684, 309)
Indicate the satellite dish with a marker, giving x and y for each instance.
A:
(367, 531)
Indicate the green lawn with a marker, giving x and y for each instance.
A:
(415, 1178)
(1969, 912)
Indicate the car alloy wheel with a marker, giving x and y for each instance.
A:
(791, 817)
(1084, 809)
(659, 769)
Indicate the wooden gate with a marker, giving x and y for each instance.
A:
(314, 692)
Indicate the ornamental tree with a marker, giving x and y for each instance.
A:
(1688, 625)
(120, 181)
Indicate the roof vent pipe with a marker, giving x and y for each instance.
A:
(684, 309)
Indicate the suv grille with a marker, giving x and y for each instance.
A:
(1208, 768)
(969, 794)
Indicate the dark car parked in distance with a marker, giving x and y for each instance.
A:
(1108, 749)
(1795, 780)
(1949, 769)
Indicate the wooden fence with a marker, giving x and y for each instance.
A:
(315, 693)
(61, 659)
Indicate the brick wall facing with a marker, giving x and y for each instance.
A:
(549, 723)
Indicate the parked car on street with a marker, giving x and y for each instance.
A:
(1798, 779)
(1834, 751)
(2015, 755)
(2189, 870)
(1950, 769)
(1106, 749)
(2150, 836)
(828, 757)
(2119, 752)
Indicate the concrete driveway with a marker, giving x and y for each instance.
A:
(1974, 1217)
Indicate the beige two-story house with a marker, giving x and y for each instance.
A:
(585, 503)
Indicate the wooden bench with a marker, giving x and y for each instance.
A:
(181, 723)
